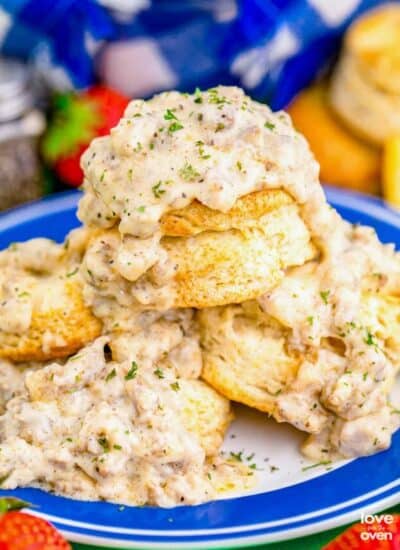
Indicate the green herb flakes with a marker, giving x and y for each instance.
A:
(197, 96)
(112, 374)
(131, 374)
(103, 442)
(159, 373)
(188, 173)
(325, 295)
(169, 115)
(174, 127)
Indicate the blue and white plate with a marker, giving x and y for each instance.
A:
(294, 498)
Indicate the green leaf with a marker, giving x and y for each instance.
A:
(131, 374)
(73, 124)
(7, 504)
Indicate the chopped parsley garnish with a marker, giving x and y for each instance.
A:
(141, 209)
(310, 320)
(103, 175)
(197, 96)
(322, 463)
(213, 97)
(169, 115)
(369, 339)
(24, 294)
(174, 127)
(103, 442)
(365, 376)
(188, 173)
(151, 146)
(72, 273)
(175, 386)
(112, 374)
(220, 126)
(159, 373)
(200, 145)
(138, 147)
(157, 190)
(136, 115)
(131, 374)
(325, 295)
(117, 447)
(269, 125)
(237, 456)
(239, 166)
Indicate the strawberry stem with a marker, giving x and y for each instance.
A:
(7, 504)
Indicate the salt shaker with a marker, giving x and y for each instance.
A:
(21, 125)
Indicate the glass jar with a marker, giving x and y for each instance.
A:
(21, 125)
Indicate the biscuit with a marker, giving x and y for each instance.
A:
(374, 40)
(205, 413)
(220, 258)
(58, 329)
(245, 353)
(368, 111)
(344, 159)
(42, 311)
(245, 356)
(196, 217)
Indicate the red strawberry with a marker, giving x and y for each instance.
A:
(20, 531)
(76, 121)
(371, 536)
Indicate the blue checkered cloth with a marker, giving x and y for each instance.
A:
(272, 48)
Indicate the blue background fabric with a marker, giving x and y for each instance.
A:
(272, 48)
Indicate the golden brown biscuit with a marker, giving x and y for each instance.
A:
(196, 217)
(206, 413)
(369, 112)
(365, 88)
(228, 258)
(222, 267)
(42, 312)
(245, 356)
(57, 330)
(345, 160)
(374, 40)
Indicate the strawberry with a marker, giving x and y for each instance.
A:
(77, 119)
(21, 531)
(374, 536)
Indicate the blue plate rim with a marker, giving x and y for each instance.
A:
(388, 493)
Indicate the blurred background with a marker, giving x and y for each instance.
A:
(69, 67)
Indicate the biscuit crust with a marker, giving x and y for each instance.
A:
(223, 267)
(206, 413)
(245, 356)
(55, 332)
(196, 217)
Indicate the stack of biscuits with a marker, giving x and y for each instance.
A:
(230, 282)
(351, 120)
